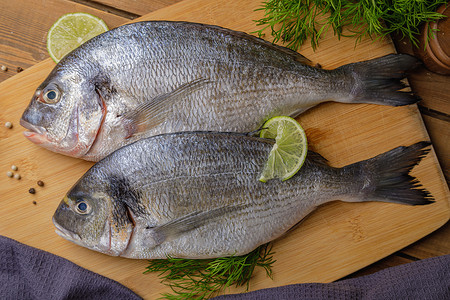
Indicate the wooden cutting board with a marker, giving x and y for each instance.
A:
(336, 240)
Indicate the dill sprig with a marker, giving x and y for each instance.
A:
(203, 278)
(294, 21)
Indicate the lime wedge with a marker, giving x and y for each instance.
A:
(70, 31)
(289, 152)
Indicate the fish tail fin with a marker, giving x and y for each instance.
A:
(379, 81)
(386, 177)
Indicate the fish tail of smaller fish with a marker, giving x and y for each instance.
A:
(379, 81)
(386, 177)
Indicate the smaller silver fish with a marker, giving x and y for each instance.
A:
(197, 195)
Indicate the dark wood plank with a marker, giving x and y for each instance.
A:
(439, 131)
(432, 87)
(435, 244)
(23, 29)
(137, 7)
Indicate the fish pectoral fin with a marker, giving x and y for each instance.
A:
(177, 227)
(155, 111)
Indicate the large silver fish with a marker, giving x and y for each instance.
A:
(197, 195)
(149, 78)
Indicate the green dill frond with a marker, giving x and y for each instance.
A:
(203, 278)
(294, 21)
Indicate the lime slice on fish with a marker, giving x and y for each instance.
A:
(70, 31)
(289, 152)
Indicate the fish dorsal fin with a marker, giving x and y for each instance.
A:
(243, 35)
(154, 112)
(177, 227)
(294, 54)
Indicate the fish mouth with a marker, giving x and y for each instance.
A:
(36, 134)
(66, 234)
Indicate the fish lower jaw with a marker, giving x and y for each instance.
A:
(32, 128)
(35, 134)
(66, 234)
(76, 239)
(35, 137)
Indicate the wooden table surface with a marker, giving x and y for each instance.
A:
(24, 24)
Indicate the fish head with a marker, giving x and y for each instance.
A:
(65, 114)
(83, 221)
(89, 217)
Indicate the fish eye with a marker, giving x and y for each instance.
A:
(51, 96)
(82, 207)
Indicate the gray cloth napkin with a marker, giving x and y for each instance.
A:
(424, 279)
(30, 273)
